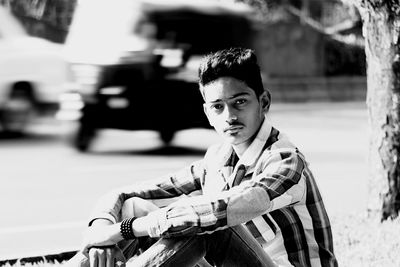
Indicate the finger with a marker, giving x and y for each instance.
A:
(110, 257)
(93, 261)
(85, 251)
(101, 255)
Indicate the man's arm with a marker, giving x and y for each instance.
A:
(104, 235)
(185, 181)
(277, 183)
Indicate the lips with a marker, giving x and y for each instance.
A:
(233, 129)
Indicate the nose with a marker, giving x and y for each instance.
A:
(230, 114)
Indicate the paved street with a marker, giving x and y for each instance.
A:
(47, 188)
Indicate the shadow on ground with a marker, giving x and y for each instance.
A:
(6, 137)
(158, 151)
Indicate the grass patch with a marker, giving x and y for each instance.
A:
(362, 240)
(359, 240)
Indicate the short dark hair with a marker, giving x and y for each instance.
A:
(239, 63)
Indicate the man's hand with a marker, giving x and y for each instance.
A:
(97, 236)
(99, 244)
(106, 257)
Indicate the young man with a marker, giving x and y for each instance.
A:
(252, 201)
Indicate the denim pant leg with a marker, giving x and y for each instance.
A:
(236, 246)
(174, 252)
(231, 247)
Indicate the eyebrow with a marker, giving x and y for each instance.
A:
(232, 97)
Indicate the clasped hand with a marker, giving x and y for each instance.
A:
(96, 236)
(99, 245)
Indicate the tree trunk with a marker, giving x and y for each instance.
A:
(381, 23)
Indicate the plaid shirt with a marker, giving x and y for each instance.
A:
(270, 189)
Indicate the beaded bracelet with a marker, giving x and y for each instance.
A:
(126, 228)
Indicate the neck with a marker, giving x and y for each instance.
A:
(242, 147)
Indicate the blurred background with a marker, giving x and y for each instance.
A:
(96, 94)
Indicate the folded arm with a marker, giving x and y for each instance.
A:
(277, 183)
(183, 182)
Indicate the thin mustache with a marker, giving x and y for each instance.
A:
(232, 125)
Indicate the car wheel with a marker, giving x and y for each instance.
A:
(167, 136)
(84, 137)
(17, 112)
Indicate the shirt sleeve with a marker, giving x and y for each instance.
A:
(276, 183)
(180, 183)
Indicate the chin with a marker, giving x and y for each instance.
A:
(231, 139)
(235, 140)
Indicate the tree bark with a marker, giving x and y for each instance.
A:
(381, 24)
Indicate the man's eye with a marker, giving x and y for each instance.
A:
(240, 101)
(217, 107)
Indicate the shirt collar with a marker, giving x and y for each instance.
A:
(252, 153)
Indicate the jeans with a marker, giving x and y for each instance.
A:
(234, 246)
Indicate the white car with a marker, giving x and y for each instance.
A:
(33, 74)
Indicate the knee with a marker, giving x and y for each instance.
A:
(136, 207)
(128, 208)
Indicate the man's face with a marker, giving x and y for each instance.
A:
(234, 110)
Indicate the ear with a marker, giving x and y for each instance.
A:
(208, 117)
(265, 100)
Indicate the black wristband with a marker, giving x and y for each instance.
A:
(126, 229)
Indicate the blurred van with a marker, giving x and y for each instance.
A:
(135, 62)
(32, 75)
